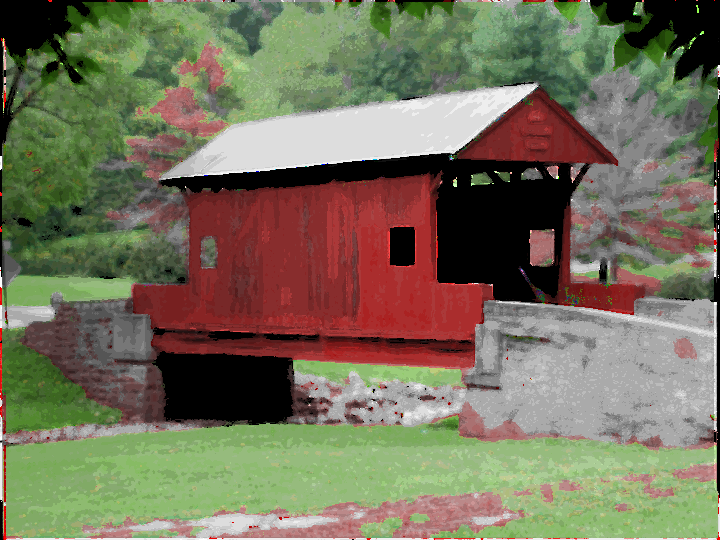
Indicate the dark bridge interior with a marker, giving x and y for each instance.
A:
(226, 387)
(484, 233)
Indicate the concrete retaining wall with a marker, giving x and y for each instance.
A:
(79, 342)
(594, 374)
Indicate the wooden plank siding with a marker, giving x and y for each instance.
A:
(307, 261)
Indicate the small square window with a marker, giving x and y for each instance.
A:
(402, 246)
(542, 247)
(208, 252)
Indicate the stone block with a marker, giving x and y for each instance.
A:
(56, 299)
(132, 337)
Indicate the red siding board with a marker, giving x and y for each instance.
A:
(315, 260)
(616, 297)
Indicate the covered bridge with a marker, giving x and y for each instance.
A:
(355, 234)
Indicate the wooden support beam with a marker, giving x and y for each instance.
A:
(494, 177)
(435, 182)
(564, 172)
(579, 177)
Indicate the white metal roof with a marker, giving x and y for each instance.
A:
(439, 124)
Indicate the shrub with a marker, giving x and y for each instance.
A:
(583, 258)
(89, 224)
(105, 259)
(686, 286)
(632, 262)
(155, 261)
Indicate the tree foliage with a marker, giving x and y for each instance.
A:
(46, 35)
(249, 19)
(635, 136)
(56, 128)
(62, 133)
(527, 45)
(415, 60)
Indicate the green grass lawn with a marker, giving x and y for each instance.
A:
(190, 475)
(36, 290)
(304, 468)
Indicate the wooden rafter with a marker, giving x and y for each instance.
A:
(542, 169)
(579, 177)
(494, 177)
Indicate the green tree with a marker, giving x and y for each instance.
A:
(414, 60)
(56, 128)
(249, 19)
(62, 132)
(525, 45)
(293, 63)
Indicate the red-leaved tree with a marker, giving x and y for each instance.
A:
(166, 212)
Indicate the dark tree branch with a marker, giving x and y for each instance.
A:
(7, 116)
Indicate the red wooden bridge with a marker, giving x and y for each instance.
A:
(356, 234)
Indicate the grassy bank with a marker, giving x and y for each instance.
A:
(36, 290)
(657, 272)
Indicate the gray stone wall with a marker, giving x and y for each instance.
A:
(79, 342)
(593, 374)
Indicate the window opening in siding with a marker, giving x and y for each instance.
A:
(402, 246)
(542, 247)
(208, 252)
